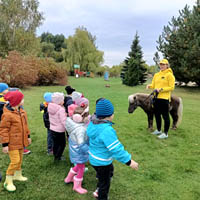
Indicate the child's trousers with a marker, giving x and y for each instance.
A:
(104, 177)
(59, 143)
(16, 157)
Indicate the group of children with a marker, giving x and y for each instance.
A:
(90, 138)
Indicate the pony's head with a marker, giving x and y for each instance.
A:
(132, 99)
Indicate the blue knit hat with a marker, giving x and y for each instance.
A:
(3, 86)
(104, 108)
(47, 97)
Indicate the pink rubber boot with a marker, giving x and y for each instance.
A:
(70, 176)
(77, 186)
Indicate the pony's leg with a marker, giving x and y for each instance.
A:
(150, 121)
(174, 114)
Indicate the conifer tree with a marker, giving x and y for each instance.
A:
(180, 44)
(134, 71)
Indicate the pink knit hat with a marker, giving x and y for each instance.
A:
(71, 109)
(82, 102)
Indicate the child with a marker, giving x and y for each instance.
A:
(3, 90)
(57, 118)
(68, 99)
(76, 96)
(78, 147)
(104, 146)
(43, 109)
(15, 135)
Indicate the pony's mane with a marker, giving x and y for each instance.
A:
(131, 97)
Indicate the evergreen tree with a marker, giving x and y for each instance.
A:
(180, 44)
(134, 71)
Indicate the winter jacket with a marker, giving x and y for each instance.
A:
(78, 141)
(14, 131)
(67, 102)
(104, 145)
(44, 109)
(57, 117)
(165, 81)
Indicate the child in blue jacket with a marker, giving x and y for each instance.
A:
(104, 146)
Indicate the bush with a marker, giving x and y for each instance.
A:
(21, 71)
(16, 71)
(51, 73)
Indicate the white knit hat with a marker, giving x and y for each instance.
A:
(76, 96)
(57, 97)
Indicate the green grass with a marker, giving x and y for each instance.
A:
(169, 169)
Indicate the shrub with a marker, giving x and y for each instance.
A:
(21, 71)
(16, 71)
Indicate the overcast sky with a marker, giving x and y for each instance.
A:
(113, 22)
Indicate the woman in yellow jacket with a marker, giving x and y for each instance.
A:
(163, 82)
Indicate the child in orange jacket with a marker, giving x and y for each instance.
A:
(14, 135)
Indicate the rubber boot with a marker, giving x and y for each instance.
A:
(78, 186)
(8, 184)
(70, 176)
(18, 176)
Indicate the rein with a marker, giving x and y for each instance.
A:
(154, 94)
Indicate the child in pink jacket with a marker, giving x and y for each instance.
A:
(57, 118)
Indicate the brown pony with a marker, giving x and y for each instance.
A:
(145, 102)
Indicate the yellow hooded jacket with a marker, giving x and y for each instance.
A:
(165, 81)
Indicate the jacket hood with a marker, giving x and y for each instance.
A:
(8, 108)
(96, 126)
(168, 70)
(53, 108)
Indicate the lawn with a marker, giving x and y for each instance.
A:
(168, 169)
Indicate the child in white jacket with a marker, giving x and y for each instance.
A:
(78, 146)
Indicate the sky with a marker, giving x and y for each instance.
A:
(113, 22)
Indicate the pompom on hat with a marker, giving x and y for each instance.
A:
(14, 98)
(3, 86)
(71, 109)
(69, 89)
(57, 97)
(47, 97)
(77, 118)
(104, 108)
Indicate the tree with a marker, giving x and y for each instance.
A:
(81, 50)
(134, 71)
(52, 46)
(18, 22)
(180, 44)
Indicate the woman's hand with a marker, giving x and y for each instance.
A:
(147, 87)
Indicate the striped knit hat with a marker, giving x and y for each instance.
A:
(104, 108)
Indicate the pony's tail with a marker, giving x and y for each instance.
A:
(180, 111)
